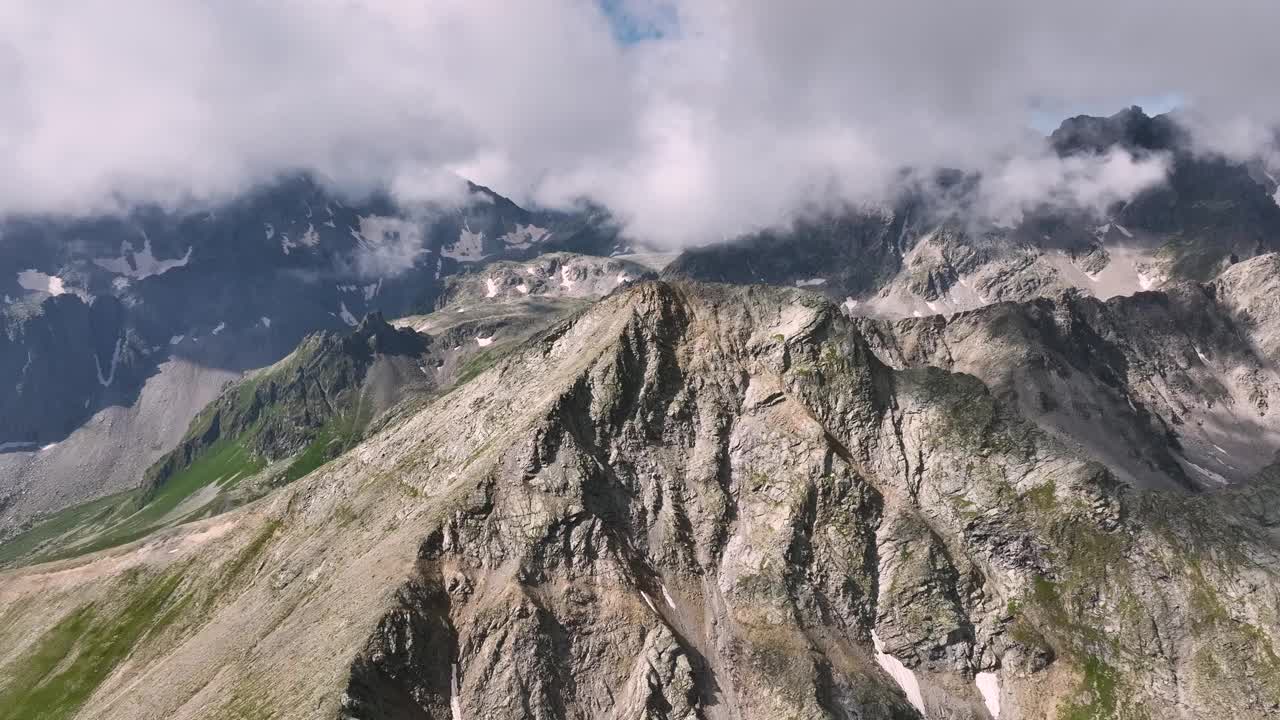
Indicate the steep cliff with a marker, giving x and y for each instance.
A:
(687, 501)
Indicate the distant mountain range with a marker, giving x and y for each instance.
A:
(296, 459)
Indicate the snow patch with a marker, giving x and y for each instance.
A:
(40, 282)
(176, 339)
(622, 278)
(1211, 475)
(346, 315)
(266, 321)
(468, 246)
(271, 230)
(309, 239)
(455, 699)
(221, 326)
(1123, 230)
(522, 289)
(386, 246)
(106, 380)
(667, 597)
(524, 236)
(989, 685)
(141, 263)
(491, 286)
(849, 304)
(484, 342)
(900, 673)
(566, 282)
(811, 282)
(371, 290)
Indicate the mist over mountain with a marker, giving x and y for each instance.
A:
(670, 359)
(713, 120)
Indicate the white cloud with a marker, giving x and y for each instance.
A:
(741, 114)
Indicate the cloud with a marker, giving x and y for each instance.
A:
(1090, 183)
(692, 119)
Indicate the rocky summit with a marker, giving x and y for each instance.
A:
(705, 501)
(297, 458)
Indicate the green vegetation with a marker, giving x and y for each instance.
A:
(345, 515)
(1043, 497)
(64, 668)
(477, 364)
(70, 522)
(320, 451)
(122, 518)
(230, 574)
(225, 463)
(1100, 685)
(968, 413)
(1192, 258)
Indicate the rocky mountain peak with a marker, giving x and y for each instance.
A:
(1131, 129)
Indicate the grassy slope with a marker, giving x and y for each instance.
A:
(124, 517)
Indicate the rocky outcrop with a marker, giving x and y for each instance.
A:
(1167, 388)
(549, 276)
(737, 497)
(700, 501)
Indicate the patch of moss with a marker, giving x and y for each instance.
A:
(1043, 497)
(345, 515)
(1099, 684)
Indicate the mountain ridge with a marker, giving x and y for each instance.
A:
(727, 485)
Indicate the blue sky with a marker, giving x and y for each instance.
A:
(632, 25)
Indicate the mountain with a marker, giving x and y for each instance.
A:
(931, 252)
(685, 501)
(1168, 388)
(119, 329)
(280, 423)
(963, 471)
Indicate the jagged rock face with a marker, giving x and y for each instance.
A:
(63, 356)
(699, 502)
(1173, 388)
(549, 276)
(720, 509)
